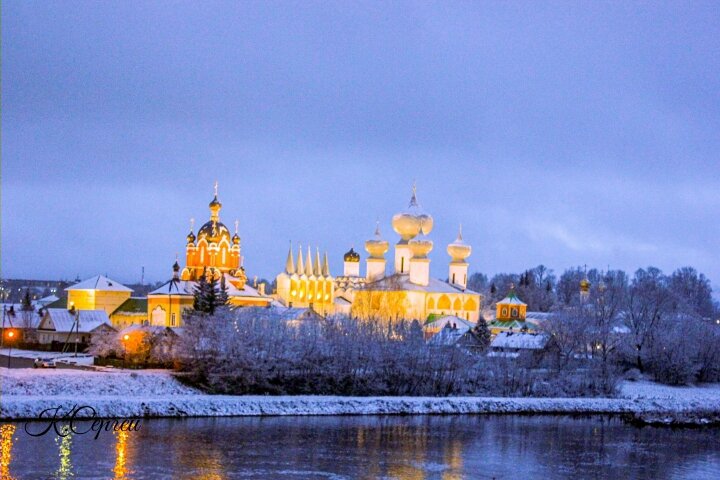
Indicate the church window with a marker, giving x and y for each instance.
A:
(431, 304)
(402, 264)
(514, 312)
(504, 312)
(457, 304)
(172, 321)
(223, 255)
(443, 303)
(453, 280)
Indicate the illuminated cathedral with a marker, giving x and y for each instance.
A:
(408, 292)
(213, 253)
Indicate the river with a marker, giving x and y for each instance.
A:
(407, 447)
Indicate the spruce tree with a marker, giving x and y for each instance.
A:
(27, 302)
(211, 296)
(482, 332)
(200, 301)
(222, 297)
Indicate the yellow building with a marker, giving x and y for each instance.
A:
(98, 293)
(409, 292)
(510, 314)
(306, 283)
(102, 293)
(215, 254)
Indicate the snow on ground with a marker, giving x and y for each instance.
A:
(26, 393)
(80, 359)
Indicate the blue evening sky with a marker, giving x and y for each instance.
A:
(560, 133)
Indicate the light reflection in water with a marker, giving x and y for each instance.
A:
(6, 443)
(120, 470)
(65, 470)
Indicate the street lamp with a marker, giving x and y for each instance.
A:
(10, 338)
(125, 338)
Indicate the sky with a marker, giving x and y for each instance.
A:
(557, 133)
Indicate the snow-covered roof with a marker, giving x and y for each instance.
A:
(47, 300)
(440, 322)
(174, 287)
(100, 282)
(537, 317)
(511, 299)
(524, 341)
(447, 336)
(402, 282)
(61, 320)
(18, 318)
(182, 287)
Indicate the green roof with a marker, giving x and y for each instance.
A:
(514, 324)
(432, 317)
(133, 305)
(59, 303)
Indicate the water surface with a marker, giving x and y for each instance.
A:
(407, 447)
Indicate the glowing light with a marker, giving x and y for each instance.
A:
(11, 334)
(126, 337)
(120, 470)
(327, 296)
(293, 293)
(64, 471)
(319, 296)
(6, 443)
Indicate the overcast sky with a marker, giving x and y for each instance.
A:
(557, 133)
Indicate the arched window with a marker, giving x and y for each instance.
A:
(514, 312)
(504, 311)
(457, 304)
(158, 316)
(443, 303)
(431, 304)
(470, 305)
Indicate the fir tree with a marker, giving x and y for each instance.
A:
(222, 297)
(200, 302)
(27, 302)
(211, 296)
(482, 332)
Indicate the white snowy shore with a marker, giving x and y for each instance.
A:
(25, 393)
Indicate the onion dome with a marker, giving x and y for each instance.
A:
(459, 250)
(191, 237)
(213, 232)
(411, 222)
(351, 256)
(176, 266)
(377, 247)
(584, 285)
(420, 246)
(236, 237)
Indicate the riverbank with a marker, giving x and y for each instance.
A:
(121, 393)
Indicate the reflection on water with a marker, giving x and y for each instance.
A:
(120, 470)
(64, 444)
(6, 443)
(426, 447)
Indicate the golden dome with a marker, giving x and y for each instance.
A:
(213, 232)
(459, 250)
(377, 247)
(413, 221)
(420, 246)
(351, 256)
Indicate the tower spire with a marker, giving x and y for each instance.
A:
(326, 265)
(216, 188)
(413, 198)
(289, 264)
(308, 263)
(300, 266)
(317, 267)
